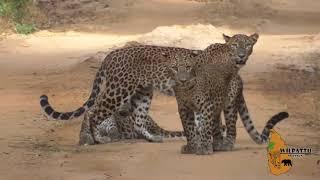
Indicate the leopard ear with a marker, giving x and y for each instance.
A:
(194, 53)
(254, 37)
(226, 38)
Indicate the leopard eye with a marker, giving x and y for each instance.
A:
(234, 45)
(248, 46)
(175, 67)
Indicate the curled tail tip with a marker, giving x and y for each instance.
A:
(283, 115)
(44, 101)
(279, 117)
(43, 97)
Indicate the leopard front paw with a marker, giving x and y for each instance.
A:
(204, 149)
(223, 146)
(187, 149)
(86, 139)
(156, 139)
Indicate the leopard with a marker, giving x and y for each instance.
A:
(122, 73)
(207, 85)
(121, 125)
(198, 93)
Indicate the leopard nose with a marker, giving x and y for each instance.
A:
(241, 56)
(183, 80)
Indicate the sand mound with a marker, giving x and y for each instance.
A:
(194, 36)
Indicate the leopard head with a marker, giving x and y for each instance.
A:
(242, 46)
(181, 67)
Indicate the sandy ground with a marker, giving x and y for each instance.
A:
(283, 74)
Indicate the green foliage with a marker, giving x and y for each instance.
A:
(13, 9)
(25, 28)
(17, 11)
(4, 8)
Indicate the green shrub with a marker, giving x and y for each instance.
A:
(25, 28)
(17, 12)
(4, 9)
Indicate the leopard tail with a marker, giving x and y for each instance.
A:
(55, 115)
(157, 130)
(171, 134)
(248, 124)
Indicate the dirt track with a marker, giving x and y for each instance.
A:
(283, 74)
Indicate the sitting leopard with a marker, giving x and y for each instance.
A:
(122, 73)
(201, 98)
(121, 124)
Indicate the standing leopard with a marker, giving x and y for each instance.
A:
(122, 73)
(201, 98)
